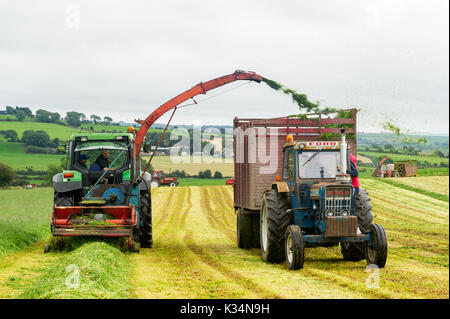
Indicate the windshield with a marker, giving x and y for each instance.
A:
(97, 155)
(323, 165)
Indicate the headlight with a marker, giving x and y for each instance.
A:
(329, 213)
(344, 213)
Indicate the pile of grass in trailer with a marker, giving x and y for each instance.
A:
(103, 272)
(24, 217)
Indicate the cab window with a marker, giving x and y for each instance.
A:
(289, 168)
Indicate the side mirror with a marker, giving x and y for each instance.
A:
(62, 148)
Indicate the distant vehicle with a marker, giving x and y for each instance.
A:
(388, 168)
(29, 186)
(230, 181)
(159, 179)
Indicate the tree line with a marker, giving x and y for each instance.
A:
(72, 118)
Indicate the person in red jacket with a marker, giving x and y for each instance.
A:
(353, 172)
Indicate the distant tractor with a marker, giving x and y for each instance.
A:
(159, 179)
(309, 203)
(388, 168)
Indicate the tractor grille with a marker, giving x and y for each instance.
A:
(338, 201)
(337, 206)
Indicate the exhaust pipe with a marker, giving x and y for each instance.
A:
(343, 151)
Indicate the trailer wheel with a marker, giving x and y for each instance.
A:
(145, 209)
(273, 222)
(294, 247)
(353, 251)
(376, 251)
(363, 209)
(247, 230)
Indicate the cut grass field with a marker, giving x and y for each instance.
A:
(438, 185)
(192, 164)
(439, 190)
(195, 256)
(24, 217)
(194, 181)
(13, 155)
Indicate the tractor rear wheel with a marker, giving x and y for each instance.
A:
(363, 209)
(295, 247)
(376, 252)
(274, 220)
(353, 251)
(145, 209)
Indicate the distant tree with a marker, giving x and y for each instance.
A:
(10, 110)
(107, 119)
(36, 138)
(7, 175)
(26, 110)
(205, 174)
(20, 115)
(73, 118)
(95, 118)
(83, 117)
(438, 153)
(47, 117)
(218, 174)
(55, 142)
(11, 135)
(388, 147)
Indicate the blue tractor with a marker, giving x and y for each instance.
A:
(313, 204)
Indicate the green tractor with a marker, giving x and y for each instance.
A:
(102, 192)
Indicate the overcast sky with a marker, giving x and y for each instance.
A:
(124, 58)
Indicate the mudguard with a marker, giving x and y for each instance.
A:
(62, 187)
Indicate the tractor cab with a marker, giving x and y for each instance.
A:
(92, 157)
(96, 163)
(316, 182)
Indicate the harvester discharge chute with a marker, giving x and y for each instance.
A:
(104, 191)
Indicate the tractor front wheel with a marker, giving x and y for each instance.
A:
(274, 221)
(63, 199)
(376, 249)
(295, 247)
(145, 230)
(172, 184)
